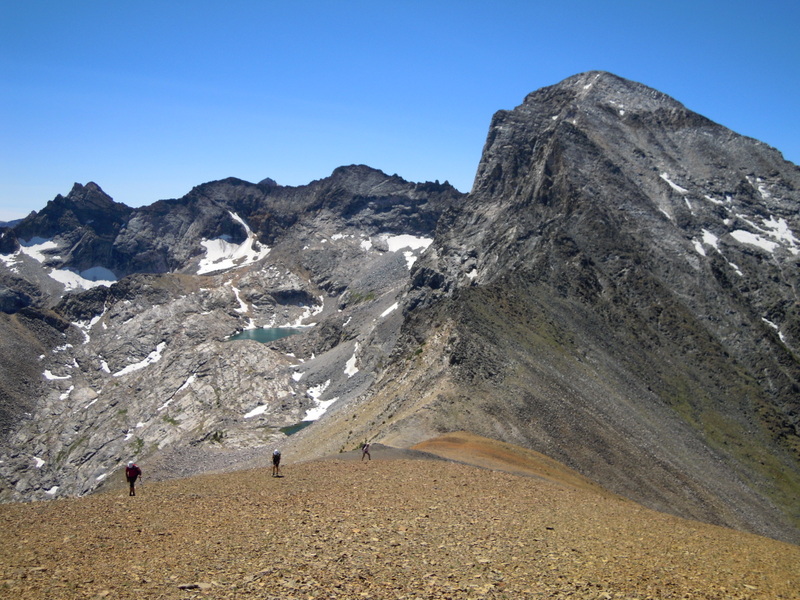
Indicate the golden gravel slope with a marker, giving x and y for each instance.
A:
(466, 447)
(381, 529)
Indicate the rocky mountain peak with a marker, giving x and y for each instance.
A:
(613, 230)
(597, 87)
(87, 202)
(85, 206)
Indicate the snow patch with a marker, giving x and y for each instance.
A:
(221, 254)
(350, 368)
(320, 406)
(243, 308)
(86, 326)
(189, 381)
(48, 375)
(10, 260)
(760, 186)
(73, 281)
(770, 323)
(398, 242)
(320, 409)
(151, 358)
(410, 259)
(746, 237)
(779, 229)
(316, 391)
(673, 185)
(776, 328)
(392, 308)
(710, 239)
(36, 247)
(310, 311)
(258, 410)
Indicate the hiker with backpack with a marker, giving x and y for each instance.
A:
(132, 473)
(276, 463)
(365, 452)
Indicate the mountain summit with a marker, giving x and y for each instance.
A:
(618, 292)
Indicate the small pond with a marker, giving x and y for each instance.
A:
(296, 427)
(265, 335)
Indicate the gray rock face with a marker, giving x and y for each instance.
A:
(625, 276)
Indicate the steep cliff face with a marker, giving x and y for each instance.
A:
(618, 291)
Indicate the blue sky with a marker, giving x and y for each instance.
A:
(149, 99)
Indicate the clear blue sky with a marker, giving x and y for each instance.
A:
(149, 99)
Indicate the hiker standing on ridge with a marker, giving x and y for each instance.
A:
(276, 463)
(132, 473)
(365, 452)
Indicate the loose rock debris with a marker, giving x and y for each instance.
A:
(388, 530)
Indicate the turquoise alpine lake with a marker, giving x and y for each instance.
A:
(264, 335)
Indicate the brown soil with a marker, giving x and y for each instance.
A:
(389, 528)
(472, 449)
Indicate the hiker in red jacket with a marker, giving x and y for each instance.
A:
(132, 473)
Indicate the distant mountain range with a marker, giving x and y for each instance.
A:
(619, 292)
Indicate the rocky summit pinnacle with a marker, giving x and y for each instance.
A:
(617, 292)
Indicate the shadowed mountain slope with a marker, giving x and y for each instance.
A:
(619, 292)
